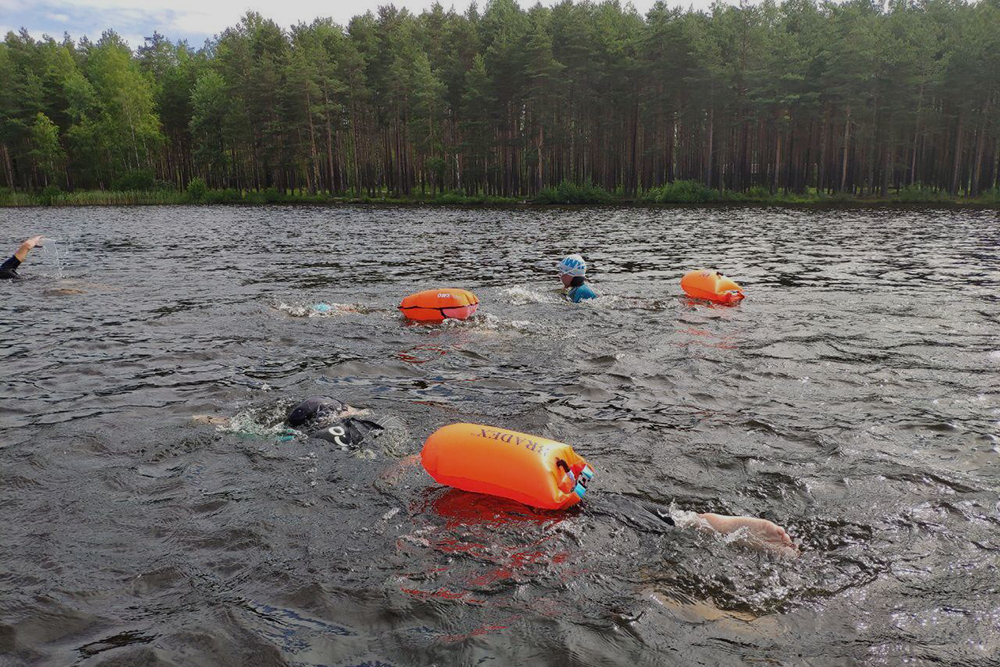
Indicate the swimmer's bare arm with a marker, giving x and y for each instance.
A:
(210, 420)
(26, 247)
(758, 533)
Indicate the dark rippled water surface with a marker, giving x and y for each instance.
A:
(852, 397)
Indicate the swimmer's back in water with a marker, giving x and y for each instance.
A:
(319, 417)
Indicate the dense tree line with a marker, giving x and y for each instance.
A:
(854, 97)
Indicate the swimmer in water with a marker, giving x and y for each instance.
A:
(572, 272)
(751, 531)
(8, 270)
(334, 421)
(747, 531)
(320, 417)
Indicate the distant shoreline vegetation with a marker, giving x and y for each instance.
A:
(790, 102)
(679, 193)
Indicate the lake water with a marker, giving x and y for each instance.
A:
(852, 398)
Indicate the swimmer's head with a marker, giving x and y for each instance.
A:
(313, 409)
(571, 268)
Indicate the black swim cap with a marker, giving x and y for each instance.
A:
(314, 408)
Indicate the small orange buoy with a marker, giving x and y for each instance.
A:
(535, 471)
(437, 304)
(711, 286)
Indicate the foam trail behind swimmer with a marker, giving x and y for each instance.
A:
(520, 296)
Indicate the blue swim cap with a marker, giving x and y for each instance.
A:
(322, 308)
(573, 266)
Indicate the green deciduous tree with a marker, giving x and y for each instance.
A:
(46, 150)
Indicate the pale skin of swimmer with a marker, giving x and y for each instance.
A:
(26, 247)
(758, 533)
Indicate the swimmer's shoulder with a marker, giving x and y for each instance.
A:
(584, 291)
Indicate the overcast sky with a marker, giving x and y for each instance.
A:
(196, 20)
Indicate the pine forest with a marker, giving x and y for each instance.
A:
(855, 97)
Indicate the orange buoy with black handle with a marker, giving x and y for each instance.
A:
(436, 305)
(711, 286)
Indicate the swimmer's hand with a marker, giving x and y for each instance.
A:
(757, 533)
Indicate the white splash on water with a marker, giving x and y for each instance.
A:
(686, 519)
(488, 322)
(52, 245)
(520, 296)
(317, 309)
(264, 422)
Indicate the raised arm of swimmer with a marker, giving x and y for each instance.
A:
(22, 252)
(8, 270)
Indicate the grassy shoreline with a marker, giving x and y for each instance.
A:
(672, 195)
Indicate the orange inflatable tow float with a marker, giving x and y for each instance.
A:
(711, 286)
(436, 305)
(535, 471)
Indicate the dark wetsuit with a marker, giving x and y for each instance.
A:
(660, 513)
(320, 411)
(8, 270)
(349, 433)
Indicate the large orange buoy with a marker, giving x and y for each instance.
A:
(434, 305)
(531, 470)
(712, 286)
